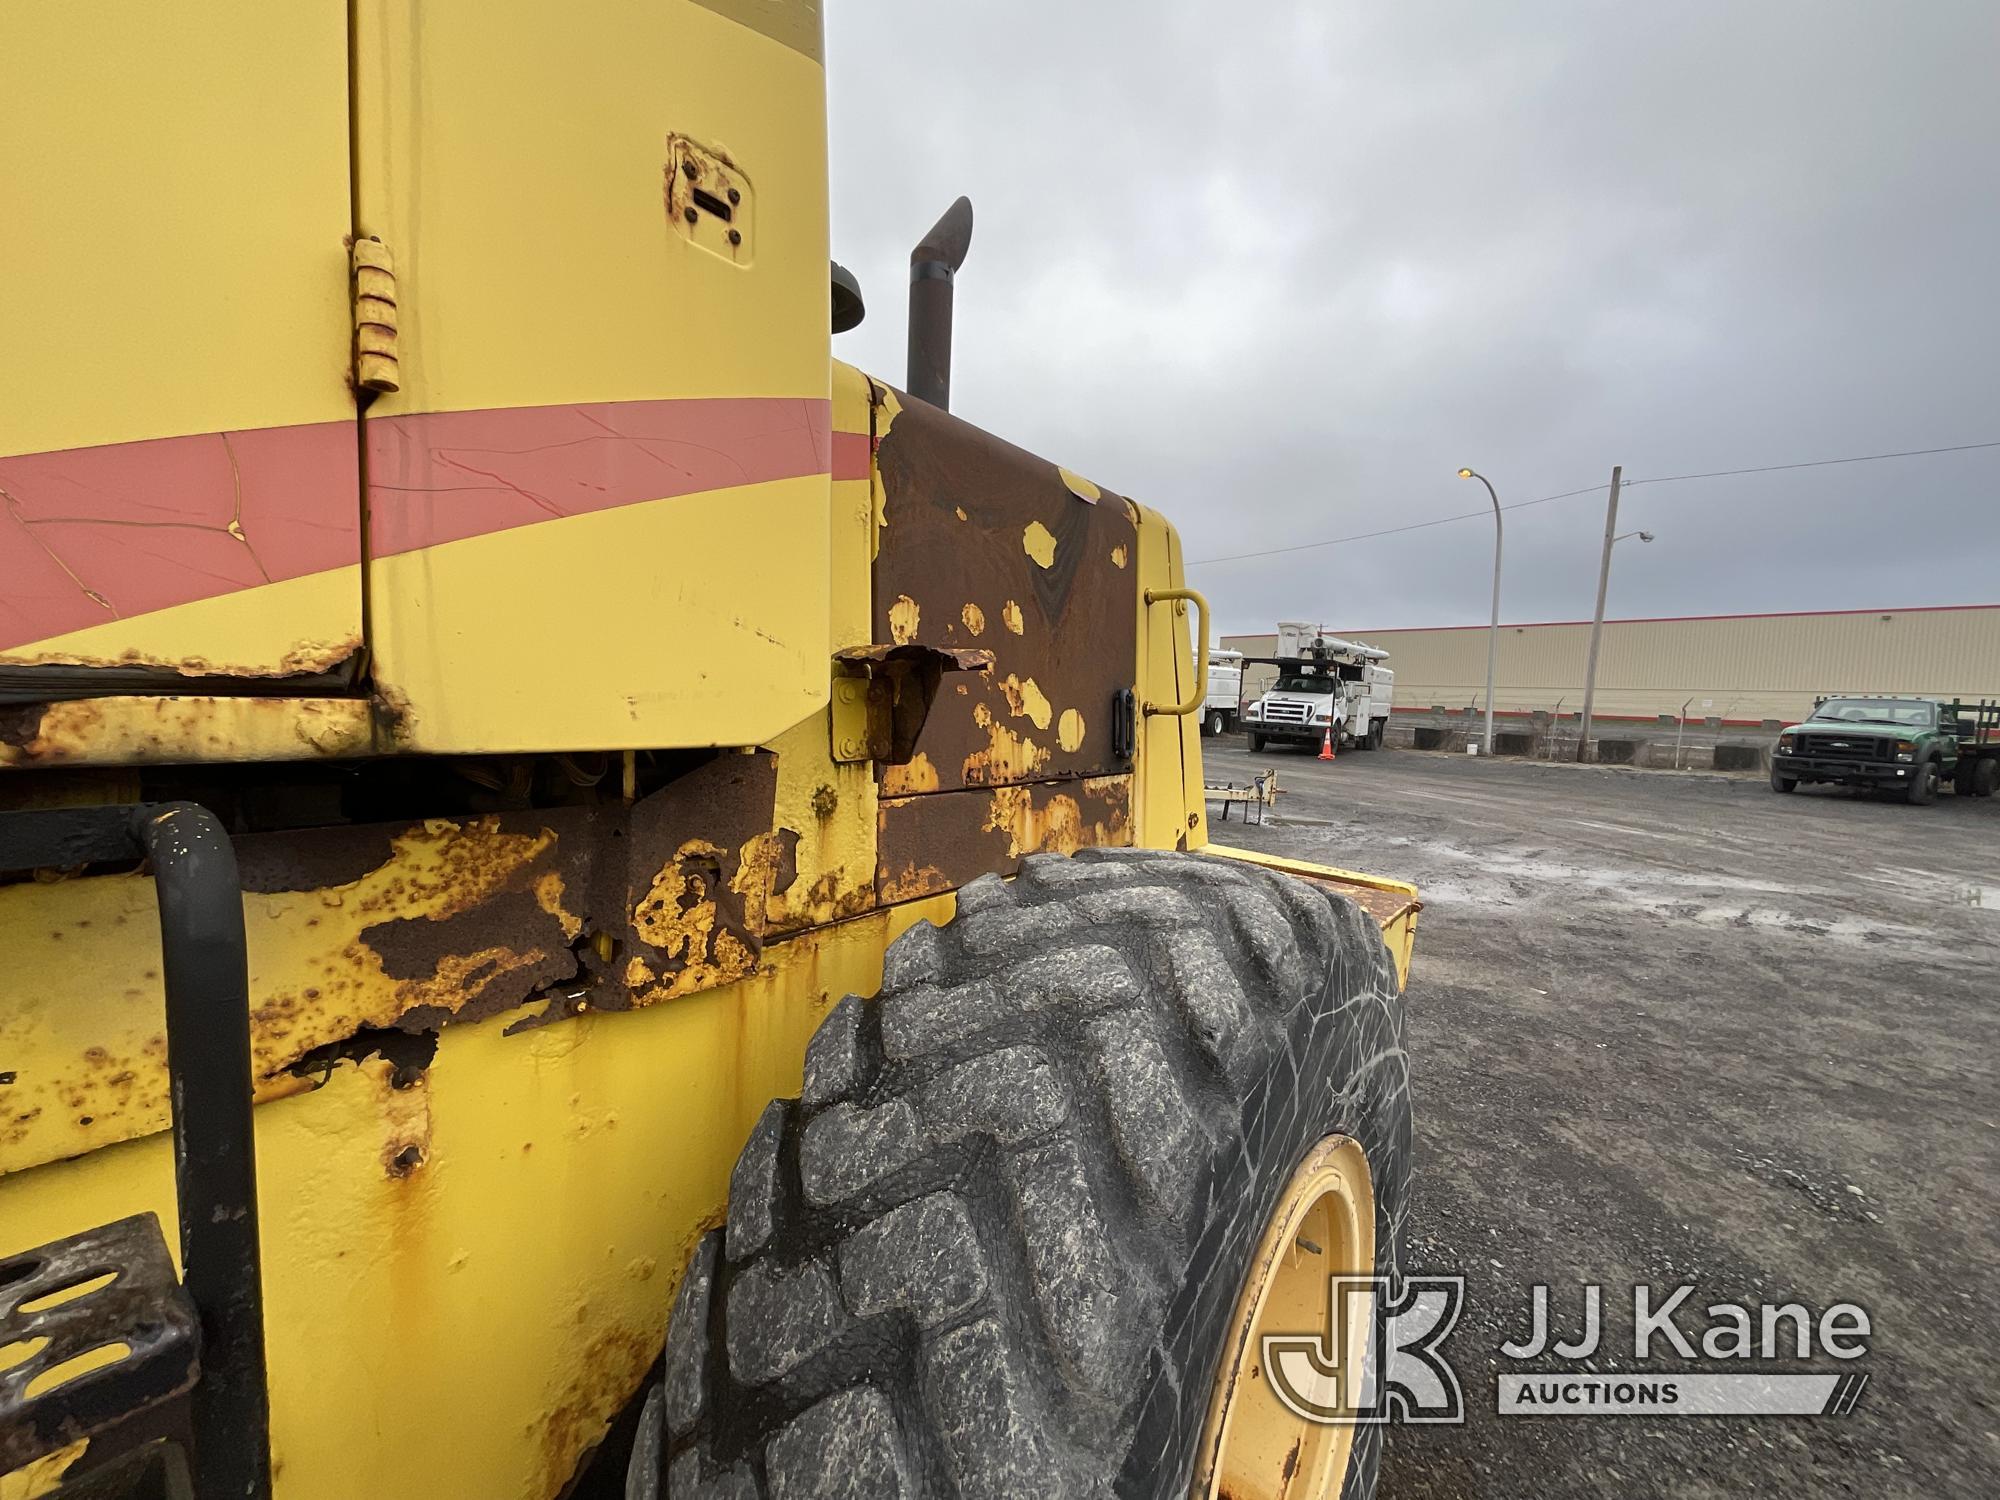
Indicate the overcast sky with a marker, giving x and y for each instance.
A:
(1280, 277)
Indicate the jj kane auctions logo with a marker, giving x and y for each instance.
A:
(1362, 1368)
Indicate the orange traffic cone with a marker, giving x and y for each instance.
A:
(1326, 744)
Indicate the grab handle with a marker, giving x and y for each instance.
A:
(1199, 691)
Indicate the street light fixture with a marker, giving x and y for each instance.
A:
(1493, 633)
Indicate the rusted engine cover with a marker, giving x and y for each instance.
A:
(984, 545)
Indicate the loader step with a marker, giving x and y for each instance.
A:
(68, 1304)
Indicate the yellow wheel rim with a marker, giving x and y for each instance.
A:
(1254, 1446)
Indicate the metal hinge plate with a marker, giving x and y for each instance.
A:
(374, 280)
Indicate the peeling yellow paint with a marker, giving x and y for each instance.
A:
(549, 897)
(757, 874)
(887, 408)
(1060, 827)
(1069, 730)
(1027, 701)
(710, 961)
(1080, 487)
(679, 915)
(908, 780)
(903, 620)
(315, 973)
(43, 1475)
(1010, 616)
(1007, 757)
(169, 730)
(974, 618)
(832, 809)
(1118, 556)
(910, 883)
(1039, 543)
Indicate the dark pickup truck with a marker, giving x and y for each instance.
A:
(1914, 745)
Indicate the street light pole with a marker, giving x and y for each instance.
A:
(1493, 632)
(1597, 620)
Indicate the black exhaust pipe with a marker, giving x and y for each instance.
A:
(933, 265)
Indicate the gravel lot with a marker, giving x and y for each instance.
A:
(1675, 1028)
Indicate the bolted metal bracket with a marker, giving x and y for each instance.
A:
(883, 694)
(709, 201)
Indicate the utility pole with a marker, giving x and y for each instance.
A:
(1597, 620)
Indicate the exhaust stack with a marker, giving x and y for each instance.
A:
(933, 265)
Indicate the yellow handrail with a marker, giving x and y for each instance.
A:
(1200, 690)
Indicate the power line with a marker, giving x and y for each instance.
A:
(1470, 515)
(1591, 489)
(1815, 463)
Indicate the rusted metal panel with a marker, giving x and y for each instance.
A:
(969, 659)
(1384, 906)
(139, 731)
(700, 860)
(399, 928)
(934, 843)
(984, 545)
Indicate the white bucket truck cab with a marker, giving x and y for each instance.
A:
(1324, 686)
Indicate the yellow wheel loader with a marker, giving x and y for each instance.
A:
(594, 902)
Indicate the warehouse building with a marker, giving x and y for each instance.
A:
(1739, 672)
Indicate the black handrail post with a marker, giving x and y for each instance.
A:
(206, 978)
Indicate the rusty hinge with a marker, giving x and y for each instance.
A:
(374, 317)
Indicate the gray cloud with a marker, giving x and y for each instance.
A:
(1281, 277)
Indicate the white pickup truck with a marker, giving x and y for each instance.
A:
(1325, 687)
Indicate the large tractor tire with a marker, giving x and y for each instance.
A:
(1008, 1237)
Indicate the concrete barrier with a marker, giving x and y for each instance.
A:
(1706, 743)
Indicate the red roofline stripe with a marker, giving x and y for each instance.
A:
(443, 476)
(853, 455)
(93, 535)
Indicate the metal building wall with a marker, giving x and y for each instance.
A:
(1738, 668)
